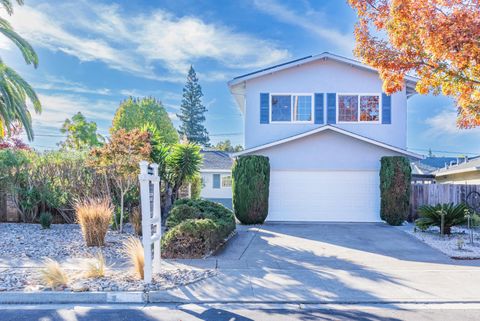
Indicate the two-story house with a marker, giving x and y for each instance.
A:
(324, 123)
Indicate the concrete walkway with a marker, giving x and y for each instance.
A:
(318, 263)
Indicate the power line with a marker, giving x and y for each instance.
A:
(444, 151)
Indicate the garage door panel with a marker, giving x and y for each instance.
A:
(348, 196)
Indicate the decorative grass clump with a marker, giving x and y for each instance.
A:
(395, 178)
(46, 220)
(53, 275)
(453, 215)
(133, 249)
(250, 186)
(94, 217)
(136, 220)
(96, 267)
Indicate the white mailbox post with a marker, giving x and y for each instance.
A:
(151, 217)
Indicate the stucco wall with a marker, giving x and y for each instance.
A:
(471, 178)
(326, 150)
(207, 189)
(321, 77)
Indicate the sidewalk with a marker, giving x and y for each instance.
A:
(306, 265)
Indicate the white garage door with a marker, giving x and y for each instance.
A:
(335, 196)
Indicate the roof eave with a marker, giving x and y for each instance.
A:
(333, 128)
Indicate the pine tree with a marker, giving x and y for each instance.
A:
(192, 112)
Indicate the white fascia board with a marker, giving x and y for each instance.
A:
(335, 129)
(325, 55)
(215, 170)
(457, 171)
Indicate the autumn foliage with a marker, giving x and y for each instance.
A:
(435, 40)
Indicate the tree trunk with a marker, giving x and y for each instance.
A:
(121, 211)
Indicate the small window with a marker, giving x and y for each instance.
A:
(302, 108)
(281, 108)
(347, 108)
(226, 181)
(369, 108)
(216, 181)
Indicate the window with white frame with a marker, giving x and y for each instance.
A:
(291, 108)
(358, 108)
(226, 181)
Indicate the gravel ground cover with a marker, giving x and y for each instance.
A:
(60, 241)
(65, 241)
(29, 280)
(456, 245)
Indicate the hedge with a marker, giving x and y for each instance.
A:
(196, 228)
(395, 180)
(250, 186)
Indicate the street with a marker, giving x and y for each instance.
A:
(214, 312)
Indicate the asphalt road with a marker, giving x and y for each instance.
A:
(415, 312)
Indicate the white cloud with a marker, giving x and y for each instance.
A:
(309, 20)
(50, 82)
(57, 108)
(140, 43)
(445, 123)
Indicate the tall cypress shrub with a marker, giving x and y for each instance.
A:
(395, 178)
(251, 180)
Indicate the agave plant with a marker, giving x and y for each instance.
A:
(432, 216)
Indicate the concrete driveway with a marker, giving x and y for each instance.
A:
(320, 263)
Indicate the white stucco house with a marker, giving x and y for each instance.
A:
(324, 123)
(216, 173)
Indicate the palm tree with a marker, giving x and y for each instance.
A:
(14, 90)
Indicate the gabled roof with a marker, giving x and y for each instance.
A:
(410, 81)
(335, 129)
(471, 165)
(216, 159)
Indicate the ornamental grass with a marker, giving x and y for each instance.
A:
(94, 216)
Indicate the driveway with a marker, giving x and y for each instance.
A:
(320, 263)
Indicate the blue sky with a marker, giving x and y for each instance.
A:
(94, 53)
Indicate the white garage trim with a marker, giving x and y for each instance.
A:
(329, 196)
(335, 129)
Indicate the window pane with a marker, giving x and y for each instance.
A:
(281, 108)
(347, 108)
(302, 108)
(369, 108)
(226, 181)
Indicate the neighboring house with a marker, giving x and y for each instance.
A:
(216, 172)
(324, 123)
(423, 171)
(466, 172)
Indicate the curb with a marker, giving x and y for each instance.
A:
(54, 297)
(160, 297)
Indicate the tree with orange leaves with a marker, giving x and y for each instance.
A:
(437, 40)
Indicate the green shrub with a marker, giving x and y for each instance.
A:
(181, 213)
(432, 216)
(196, 228)
(196, 186)
(250, 186)
(45, 220)
(395, 177)
(193, 238)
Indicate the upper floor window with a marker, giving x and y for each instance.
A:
(291, 108)
(358, 108)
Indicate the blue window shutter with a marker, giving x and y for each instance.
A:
(264, 108)
(331, 108)
(319, 109)
(386, 109)
(216, 180)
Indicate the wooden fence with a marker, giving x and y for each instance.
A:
(432, 194)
